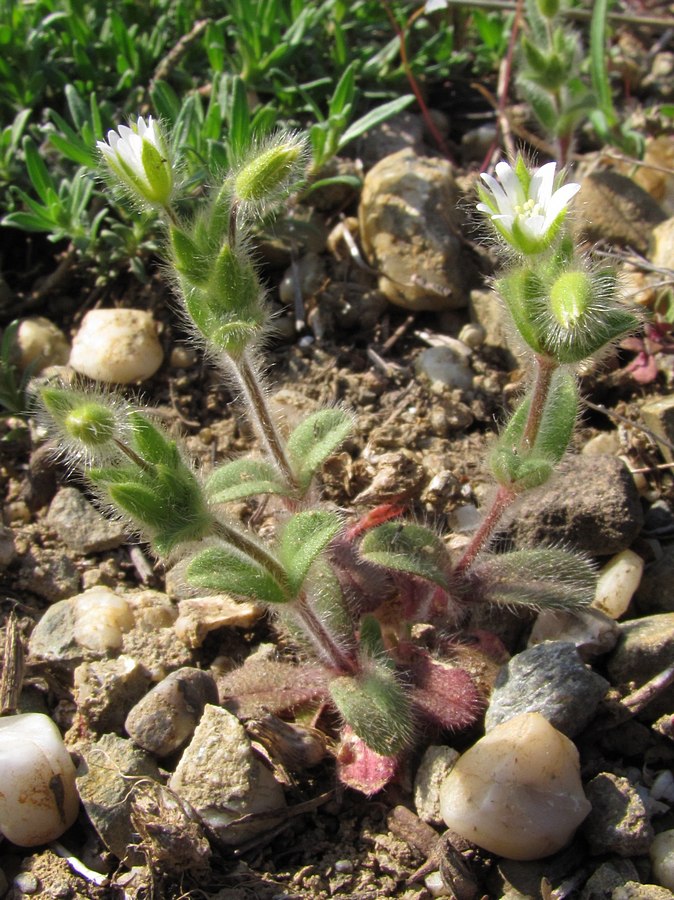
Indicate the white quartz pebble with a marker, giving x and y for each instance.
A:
(118, 346)
(617, 582)
(39, 343)
(517, 791)
(101, 618)
(38, 797)
(662, 859)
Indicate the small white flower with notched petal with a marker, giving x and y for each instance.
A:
(138, 156)
(524, 207)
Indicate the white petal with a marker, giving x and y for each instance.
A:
(560, 199)
(125, 132)
(141, 127)
(542, 183)
(506, 221)
(499, 195)
(113, 139)
(511, 184)
(536, 226)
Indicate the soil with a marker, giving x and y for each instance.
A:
(335, 843)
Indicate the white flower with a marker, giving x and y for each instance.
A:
(524, 207)
(138, 156)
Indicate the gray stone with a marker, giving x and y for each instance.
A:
(611, 207)
(618, 822)
(105, 781)
(656, 591)
(222, 778)
(410, 227)
(80, 526)
(645, 649)
(105, 690)
(591, 506)
(550, 679)
(49, 573)
(402, 132)
(166, 717)
(608, 876)
(434, 767)
(658, 415)
(590, 631)
(7, 547)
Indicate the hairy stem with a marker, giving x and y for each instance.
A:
(545, 369)
(504, 497)
(261, 416)
(327, 648)
(243, 542)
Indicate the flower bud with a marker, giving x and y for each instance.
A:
(270, 171)
(91, 423)
(570, 298)
(548, 8)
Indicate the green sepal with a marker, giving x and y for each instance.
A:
(234, 285)
(605, 327)
(188, 259)
(524, 295)
(547, 578)
(227, 571)
(158, 173)
(314, 440)
(244, 478)
(522, 468)
(303, 539)
(407, 548)
(376, 707)
(151, 444)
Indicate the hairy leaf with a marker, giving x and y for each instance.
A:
(304, 538)
(314, 440)
(243, 478)
(407, 548)
(225, 570)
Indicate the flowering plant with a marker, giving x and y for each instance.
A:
(348, 590)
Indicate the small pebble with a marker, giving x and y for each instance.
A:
(117, 346)
(222, 778)
(40, 344)
(517, 791)
(435, 766)
(101, 618)
(167, 716)
(27, 883)
(662, 858)
(344, 866)
(618, 822)
(38, 797)
(183, 357)
(473, 335)
(435, 885)
(550, 679)
(663, 786)
(617, 583)
(590, 631)
(445, 366)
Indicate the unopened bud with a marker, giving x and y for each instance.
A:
(570, 298)
(270, 172)
(91, 423)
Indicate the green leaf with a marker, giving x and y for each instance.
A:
(244, 478)
(370, 638)
(314, 440)
(407, 548)
(305, 536)
(37, 170)
(546, 578)
(377, 709)
(227, 571)
(373, 118)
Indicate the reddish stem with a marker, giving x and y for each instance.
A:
(545, 368)
(504, 497)
(409, 74)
